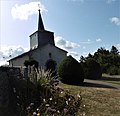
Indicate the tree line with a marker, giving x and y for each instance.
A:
(109, 60)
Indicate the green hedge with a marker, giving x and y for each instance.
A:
(31, 63)
(70, 71)
(92, 69)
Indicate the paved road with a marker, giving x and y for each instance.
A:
(100, 84)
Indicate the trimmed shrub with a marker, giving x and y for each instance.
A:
(31, 63)
(70, 71)
(92, 69)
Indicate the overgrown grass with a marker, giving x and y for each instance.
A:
(97, 101)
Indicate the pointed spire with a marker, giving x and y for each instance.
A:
(40, 22)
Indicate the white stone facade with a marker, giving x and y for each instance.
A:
(41, 55)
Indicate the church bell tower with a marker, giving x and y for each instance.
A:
(41, 37)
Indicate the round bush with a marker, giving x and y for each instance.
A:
(92, 69)
(70, 71)
(31, 63)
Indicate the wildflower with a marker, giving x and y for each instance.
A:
(67, 102)
(38, 114)
(31, 104)
(51, 109)
(44, 100)
(47, 105)
(61, 92)
(55, 83)
(50, 99)
(53, 91)
(65, 110)
(83, 105)
(38, 109)
(69, 99)
(78, 95)
(34, 114)
(59, 89)
(83, 114)
(58, 111)
(28, 108)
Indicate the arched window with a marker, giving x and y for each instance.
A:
(50, 55)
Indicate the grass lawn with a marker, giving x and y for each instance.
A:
(97, 101)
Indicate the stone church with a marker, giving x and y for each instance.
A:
(42, 49)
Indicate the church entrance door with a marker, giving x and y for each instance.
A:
(51, 65)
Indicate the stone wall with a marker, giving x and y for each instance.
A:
(7, 97)
(14, 87)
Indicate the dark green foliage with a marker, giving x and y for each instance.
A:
(114, 70)
(31, 63)
(70, 71)
(108, 60)
(119, 70)
(92, 69)
(114, 50)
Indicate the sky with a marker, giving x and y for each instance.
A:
(79, 26)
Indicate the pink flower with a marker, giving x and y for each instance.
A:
(65, 110)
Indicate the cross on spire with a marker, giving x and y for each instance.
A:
(40, 22)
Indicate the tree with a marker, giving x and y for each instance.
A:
(92, 69)
(109, 60)
(114, 50)
(70, 71)
(82, 59)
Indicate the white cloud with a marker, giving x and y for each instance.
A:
(118, 46)
(85, 54)
(110, 1)
(67, 45)
(64, 44)
(8, 52)
(22, 12)
(115, 20)
(73, 54)
(98, 40)
(86, 42)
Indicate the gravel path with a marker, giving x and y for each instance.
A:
(100, 84)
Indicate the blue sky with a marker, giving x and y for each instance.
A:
(79, 26)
